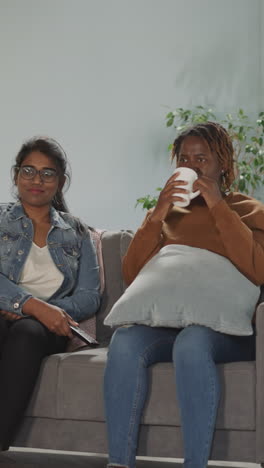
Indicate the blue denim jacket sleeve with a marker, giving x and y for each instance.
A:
(12, 297)
(84, 300)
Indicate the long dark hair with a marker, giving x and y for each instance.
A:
(53, 150)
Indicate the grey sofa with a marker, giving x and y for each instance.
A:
(66, 409)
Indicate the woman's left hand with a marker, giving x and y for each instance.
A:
(9, 315)
(209, 189)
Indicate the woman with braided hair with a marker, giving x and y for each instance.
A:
(230, 227)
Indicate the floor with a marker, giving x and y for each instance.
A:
(24, 458)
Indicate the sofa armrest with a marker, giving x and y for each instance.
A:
(114, 246)
(260, 383)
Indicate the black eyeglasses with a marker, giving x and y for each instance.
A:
(29, 172)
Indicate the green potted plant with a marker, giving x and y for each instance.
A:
(248, 140)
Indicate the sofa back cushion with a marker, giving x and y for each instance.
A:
(114, 247)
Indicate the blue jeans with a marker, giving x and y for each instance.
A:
(195, 351)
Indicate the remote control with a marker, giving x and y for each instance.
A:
(83, 335)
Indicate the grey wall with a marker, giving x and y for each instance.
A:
(100, 75)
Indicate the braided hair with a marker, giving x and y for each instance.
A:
(219, 142)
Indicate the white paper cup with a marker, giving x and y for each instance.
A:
(188, 175)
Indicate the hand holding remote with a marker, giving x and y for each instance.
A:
(83, 335)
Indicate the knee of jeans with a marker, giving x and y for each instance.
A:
(190, 347)
(123, 344)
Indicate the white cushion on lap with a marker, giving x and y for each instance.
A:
(182, 286)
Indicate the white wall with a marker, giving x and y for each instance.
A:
(100, 75)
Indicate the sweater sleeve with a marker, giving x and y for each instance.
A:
(242, 239)
(146, 243)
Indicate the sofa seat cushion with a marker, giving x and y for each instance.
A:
(237, 404)
(70, 386)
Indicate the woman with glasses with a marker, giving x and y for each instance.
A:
(49, 276)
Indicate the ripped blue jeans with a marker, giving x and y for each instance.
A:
(195, 351)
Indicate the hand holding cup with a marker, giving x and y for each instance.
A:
(189, 176)
(174, 192)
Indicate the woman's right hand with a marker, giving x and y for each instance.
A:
(167, 196)
(54, 318)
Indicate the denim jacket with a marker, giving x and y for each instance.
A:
(72, 252)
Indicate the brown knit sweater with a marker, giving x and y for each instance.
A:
(234, 228)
